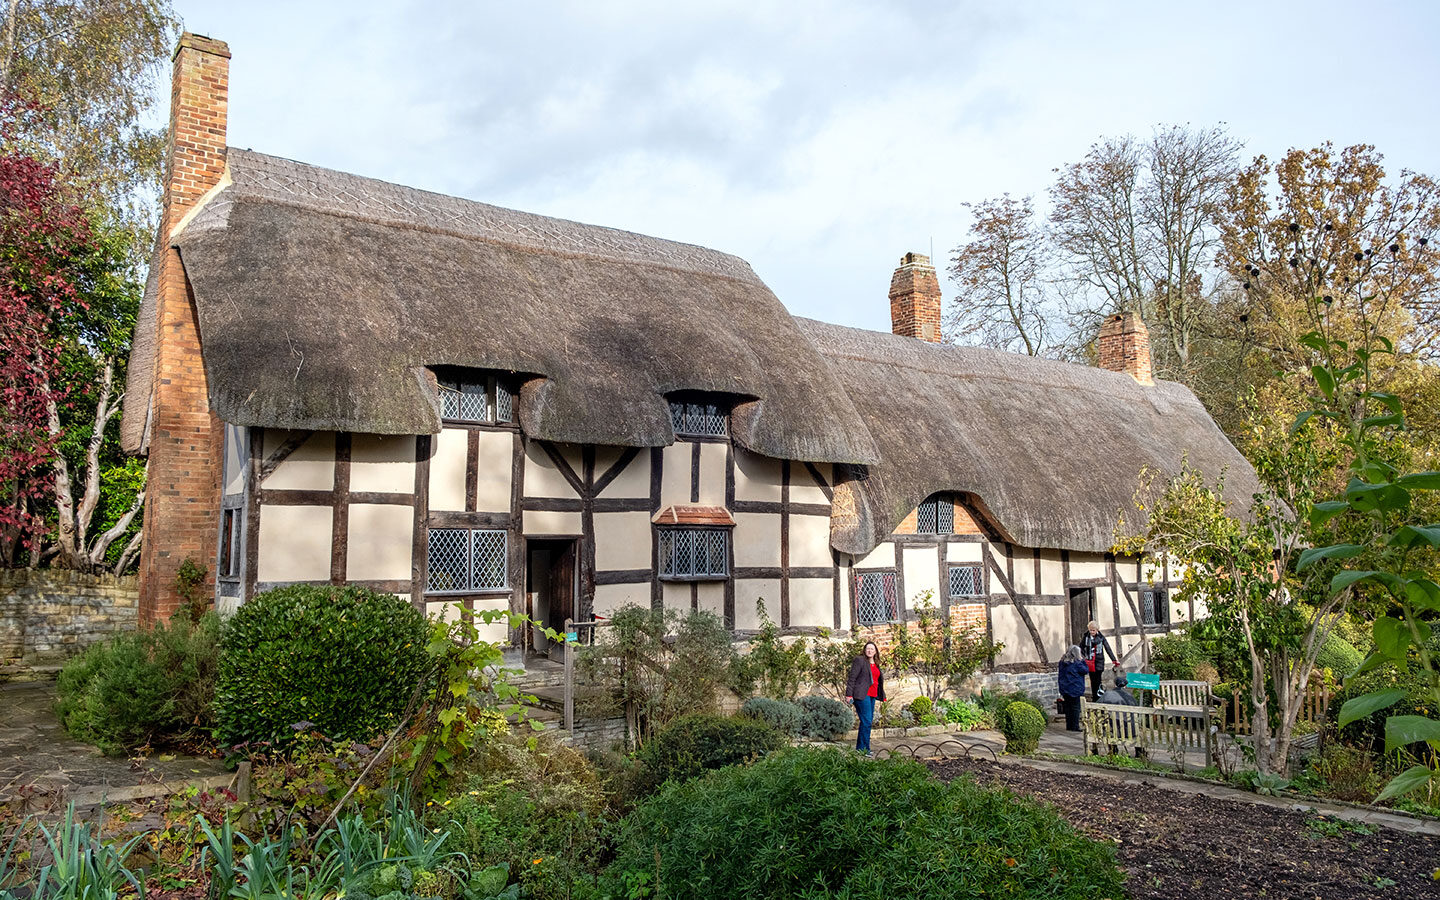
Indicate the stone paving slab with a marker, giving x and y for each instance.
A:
(37, 755)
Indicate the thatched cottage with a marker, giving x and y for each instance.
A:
(339, 380)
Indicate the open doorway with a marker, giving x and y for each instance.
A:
(550, 583)
(1082, 610)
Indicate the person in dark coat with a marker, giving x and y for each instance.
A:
(1072, 686)
(863, 689)
(1093, 649)
(1119, 694)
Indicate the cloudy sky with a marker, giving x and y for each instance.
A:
(817, 140)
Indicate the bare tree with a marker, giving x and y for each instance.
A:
(1003, 298)
(1137, 224)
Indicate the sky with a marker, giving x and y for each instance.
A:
(819, 141)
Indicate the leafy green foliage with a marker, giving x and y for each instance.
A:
(784, 716)
(995, 703)
(1345, 773)
(772, 667)
(1176, 655)
(830, 662)
(344, 659)
(824, 717)
(965, 713)
(1338, 656)
(940, 655)
(150, 686)
(1022, 726)
(824, 823)
(694, 744)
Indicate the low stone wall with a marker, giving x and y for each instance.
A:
(1043, 686)
(49, 615)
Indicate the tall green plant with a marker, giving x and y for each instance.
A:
(771, 668)
(936, 652)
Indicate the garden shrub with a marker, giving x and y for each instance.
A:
(1175, 656)
(770, 666)
(825, 823)
(538, 810)
(1339, 656)
(151, 686)
(830, 662)
(965, 713)
(996, 702)
(782, 715)
(921, 707)
(344, 659)
(1022, 726)
(1345, 773)
(824, 717)
(1369, 732)
(691, 745)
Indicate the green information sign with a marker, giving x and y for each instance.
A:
(572, 635)
(1141, 680)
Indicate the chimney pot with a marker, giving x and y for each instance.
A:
(1124, 346)
(915, 299)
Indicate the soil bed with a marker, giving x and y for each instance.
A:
(1174, 845)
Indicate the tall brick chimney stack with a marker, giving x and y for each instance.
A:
(1125, 346)
(182, 501)
(915, 299)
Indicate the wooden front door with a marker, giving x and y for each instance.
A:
(1082, 610)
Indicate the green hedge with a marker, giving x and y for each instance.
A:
(695, 744)
(344, 659)
(826, 823)
(1022, 726)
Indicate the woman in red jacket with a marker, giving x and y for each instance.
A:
(864, 688)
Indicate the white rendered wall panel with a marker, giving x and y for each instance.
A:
(294, 543)
(380, 542)
(310, 467)
(382, 463)
(447, 470)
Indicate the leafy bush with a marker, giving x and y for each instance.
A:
(1339, 656)
(344, 659)
(824, 717)
(965, 713)
(782, 715)
(1175, 656)
(691, 745)
(997, 702)
(150, 686)
(921, 707)
(538, 811)
(1022, 726)
(1370, 731)
(938, 653)
(824, 823)
(771, 666)
(830, 663)
(1345, 773)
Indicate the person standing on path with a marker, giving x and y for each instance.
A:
(863, 689)
(1093, 649)
(1071, 677)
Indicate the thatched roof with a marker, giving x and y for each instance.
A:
(322, 296)
(1052, 452)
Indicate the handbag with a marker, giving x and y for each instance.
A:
(1090, 664)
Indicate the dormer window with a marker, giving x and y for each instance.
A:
(699, 418)
(478, 398)
(936, 515)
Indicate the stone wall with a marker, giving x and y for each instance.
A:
(49, 615)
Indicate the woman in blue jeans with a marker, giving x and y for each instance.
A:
(864, 688)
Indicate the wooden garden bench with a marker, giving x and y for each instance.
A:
(1184, 695)
(1171, 729)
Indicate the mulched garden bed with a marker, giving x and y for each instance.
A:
(1175, 845)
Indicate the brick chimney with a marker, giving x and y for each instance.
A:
(1125, 346)
(915, 299)
(182, 502)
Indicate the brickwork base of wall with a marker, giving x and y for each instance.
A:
(50, 615)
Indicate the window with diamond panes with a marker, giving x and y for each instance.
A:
(702, 419)
(876, 602)
(966, 581)
(694, 552)
(466, 559)
(486, 401)
(935, 516)
(1153, 608)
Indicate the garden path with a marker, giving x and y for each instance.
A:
(43, 767)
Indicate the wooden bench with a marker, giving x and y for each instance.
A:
(1184, 695)
(1171, 729)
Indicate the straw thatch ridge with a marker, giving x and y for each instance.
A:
(322, 296)
(1054, 451)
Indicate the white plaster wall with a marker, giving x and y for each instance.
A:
(675, 595)
(812, 602)
(237, 452)
(542, 479)
(882, 557)
(1050, 621)
(310, 468)
(1084, 567)
(1127, 614)
(294, 543)
(756, 477)
(447, 470)
(384, 463)
(1105, 608)
(970, 552)
(757, 539)
(381, 539)
(810, 541)
(997, 553)
(675, 477)
(747, 591)
(711, 598)
(1008, 628)
(847, 573)
(712, 474)
(622, 540)
(634, 481)
(541, 522)
(1024, 579)
(492, 482)
(922, 574)
(610, 597)
(1052, 572)
(803, 488)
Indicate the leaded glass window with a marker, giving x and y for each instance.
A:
(467, 559)
(1153, 608)
(484, 399)
(966, 581)
(936, 516)
(876, 599)
(698, 419)
(697, 553)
